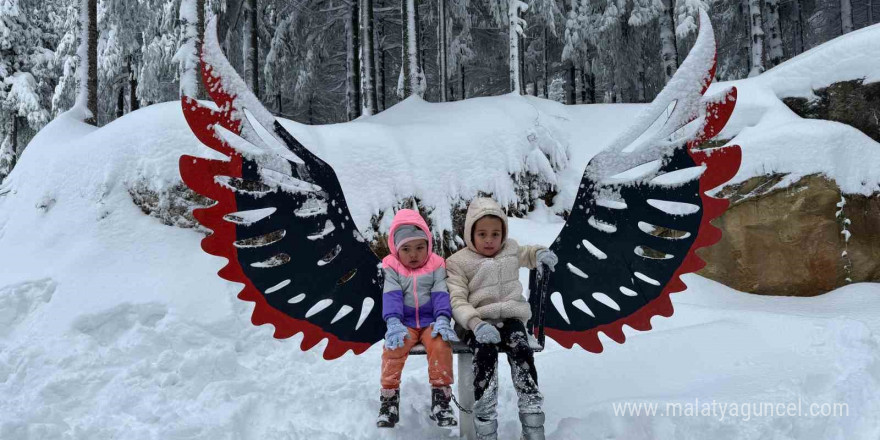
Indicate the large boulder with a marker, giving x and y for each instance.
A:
(803, 239)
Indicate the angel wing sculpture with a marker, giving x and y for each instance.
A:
(642, 211)
(639, 214)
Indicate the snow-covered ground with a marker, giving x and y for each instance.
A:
(113, 325)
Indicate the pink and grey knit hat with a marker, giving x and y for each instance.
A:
(407, 233)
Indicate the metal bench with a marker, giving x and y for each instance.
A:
(465, 356)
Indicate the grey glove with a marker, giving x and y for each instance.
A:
(547, 258)
(442, 327)
(487, 333)
(395, 334)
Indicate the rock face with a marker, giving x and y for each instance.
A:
(172, 207)
(849, 102)
(791, 241)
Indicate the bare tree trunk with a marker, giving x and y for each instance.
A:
(92, 54)
(380, 63)
(546, 65)
(570, 96)
(369, 81)
(522, 63)
(757, 38)
(120, 100)
(255, 47)
(381, 81)
(201, 93)
(536, 79)
(774, 53)
(133, 103)
(251, 50)
(583, 86)
(14, 136)
(591, 83)
(412, 75)
(463, 90)
(353, 85)
(747, 41)
(515, 70)
(642, 85)
(669, 45)
(423, 49)
(441, 50)
(799, 45)
(846, 23)
(870, 11)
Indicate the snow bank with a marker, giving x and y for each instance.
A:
(855, 55)
(440, 153)
(142, 367)
(66, 214)
(775, 140)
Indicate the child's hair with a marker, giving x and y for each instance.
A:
(474, 227)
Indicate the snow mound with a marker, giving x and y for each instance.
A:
(855, 55)
(443, 154)
(775, 140)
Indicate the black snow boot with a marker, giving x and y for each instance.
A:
(441, 412)
(389, 411)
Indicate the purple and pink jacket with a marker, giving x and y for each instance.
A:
(415, 296)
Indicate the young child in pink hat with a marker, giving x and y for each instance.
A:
(416, 308)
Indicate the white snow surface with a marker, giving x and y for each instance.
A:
(113, 325)
(775, 140)
(124, 358)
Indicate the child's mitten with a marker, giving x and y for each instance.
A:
(395, 334)
(487, 333)
(442, 327)
(548, 258)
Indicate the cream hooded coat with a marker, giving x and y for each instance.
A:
(488, 288)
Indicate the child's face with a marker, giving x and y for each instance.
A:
(487, 235)
(413, 254)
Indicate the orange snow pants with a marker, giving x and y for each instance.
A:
(439, 359)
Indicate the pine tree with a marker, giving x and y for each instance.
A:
(547, 15)
(156, 71)
(460, 46)
(20, 96)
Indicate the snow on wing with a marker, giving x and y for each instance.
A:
(280, 219)
(641, 211)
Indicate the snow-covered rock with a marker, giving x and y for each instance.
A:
(786, 232)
